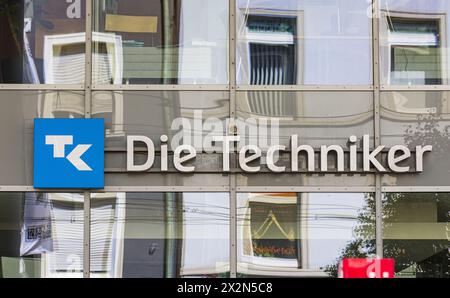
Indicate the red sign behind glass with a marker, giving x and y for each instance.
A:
(366, 268)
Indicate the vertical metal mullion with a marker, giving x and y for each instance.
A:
(87, 235)
(377, 130)
(231, 130)
(87, 114)
(88, 61)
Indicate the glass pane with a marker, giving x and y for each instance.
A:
(160, 235)
(186, 117)
(154, 113)
(43, 42)
(413, 40)
(415, 233)
(303, 42)
(302, 234)
(413, 119)
(318, 118)
(303, 179)
(41, 235)
(17, 111)
(160, 42)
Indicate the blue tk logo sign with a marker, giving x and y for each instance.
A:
(69, 153)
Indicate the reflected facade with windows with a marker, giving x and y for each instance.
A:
(295, 42)
(302, 234)
(160, 235)
(43, 42)
(414, 42)
(160, 42)
(41, 235)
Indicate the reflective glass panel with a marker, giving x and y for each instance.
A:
(41, 235)
(160, 42)
(43, 42)
(414, 42)
(181, 115)
(289, 42)
(318, 118)
(416, 233)
(302, 234)
(17, 111)
(418, 118)
(160, 235)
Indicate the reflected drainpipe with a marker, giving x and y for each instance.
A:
(168, 49)
(173, 234)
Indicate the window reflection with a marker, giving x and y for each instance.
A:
(414, 42)
(302, 234)
(303, 42)
(160, 235)
(415, 232)
(160, 42)
(42, 41)
(41, 235)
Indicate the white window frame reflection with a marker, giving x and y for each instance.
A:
(108, 235)
(387, 42)
(310, 217)
(244, 40)
(114, 59)
(74, 261)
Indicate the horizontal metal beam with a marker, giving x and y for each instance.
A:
(223, 188)
(415, 189)
(64, 87)
(305, 189)
(22, 87)
(304, 87)
(28, 188)
(416, 88)
(161, 87)
(25, 188)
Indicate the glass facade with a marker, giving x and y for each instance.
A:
(160, 235)
(263, 70)
(41, 234)
(415, 233)
(43, 42)
(302, 234)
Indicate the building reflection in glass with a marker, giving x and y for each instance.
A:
(416, 233)
(132, 235)
(297, 42)
(302, 234)
(160, 235)
(41, 235)
(43, 42)
(161, 42)
(414, 42)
